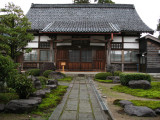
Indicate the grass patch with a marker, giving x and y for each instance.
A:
(154, 92)
(6, 97)
(150, 104)
(50, 102)
(104, 81)
(66, 79)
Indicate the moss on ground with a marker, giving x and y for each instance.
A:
(154, 92)
(66, 79)
(50, 102)
(104, 81)
(147, 103)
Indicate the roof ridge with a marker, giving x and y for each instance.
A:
(106, 5)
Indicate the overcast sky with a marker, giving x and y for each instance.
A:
(148, 10)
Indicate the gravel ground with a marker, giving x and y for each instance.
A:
(117, 112)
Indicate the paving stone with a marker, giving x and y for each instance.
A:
(86, 116)
(72, 105)
(69, 115)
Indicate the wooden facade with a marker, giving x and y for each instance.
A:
(149, 54)
(83, 53)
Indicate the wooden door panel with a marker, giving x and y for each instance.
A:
(86, 66)
(74, 66)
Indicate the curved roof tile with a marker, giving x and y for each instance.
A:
(85, 18)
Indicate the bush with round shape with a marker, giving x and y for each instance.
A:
(102, 76)
(23, 86)
(117, 73)
(34, 72)
(126, 77)
(43, 80)
(46, 73)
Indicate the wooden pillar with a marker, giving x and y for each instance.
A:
(51, 50)
(109, 50)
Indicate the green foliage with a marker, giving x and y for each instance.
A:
(6, 97)
(126, 77)
(13, 29)
(81, 1)
(102, 76)
(7, 70)
(46, 73)
(52, 99)
(154, 92)
(147, 103)
(66, 79)
(23, 86)
(105, 1)
(43, 80)
(117, 73)
(104, 81)
(34, 72)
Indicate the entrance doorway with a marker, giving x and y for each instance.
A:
(81, 59)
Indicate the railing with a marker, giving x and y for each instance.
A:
(116, 46)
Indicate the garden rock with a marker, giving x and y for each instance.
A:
(110, 77)
(52, 82)
(2, 107)
(157, 111)
(139, 111)
(39, 99)
(141, 84)
(21, 105)
(39, 93)
(125, 102)
(47, 90)
(116, 79)
(51, 87)
(56, 75)
(37, 84)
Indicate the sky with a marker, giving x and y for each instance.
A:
(148, 10)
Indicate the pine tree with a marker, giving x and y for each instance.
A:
(105, 1)
(13, 30)
(81, 1)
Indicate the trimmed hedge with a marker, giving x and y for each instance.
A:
(126, 77)
(102, 76)
(34, 72)
(117, 73)
(46, 73)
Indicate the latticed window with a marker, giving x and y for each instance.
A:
(116, 56)
(44, 45)
(31, 56)
(130, 56)
(44, 55)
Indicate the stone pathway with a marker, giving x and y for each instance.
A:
(80, 103)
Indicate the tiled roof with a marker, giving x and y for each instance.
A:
(85, 18)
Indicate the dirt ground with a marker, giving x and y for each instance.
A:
(117, 111)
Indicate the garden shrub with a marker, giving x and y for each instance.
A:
(7, 70)
(43, 80)
(117, 73)
(23, 86)
(126, 77)
(102, 76)
(34, 72)
(46, 73)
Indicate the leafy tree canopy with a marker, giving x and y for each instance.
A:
(13, 30)
(105, 1)
(81, 1)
